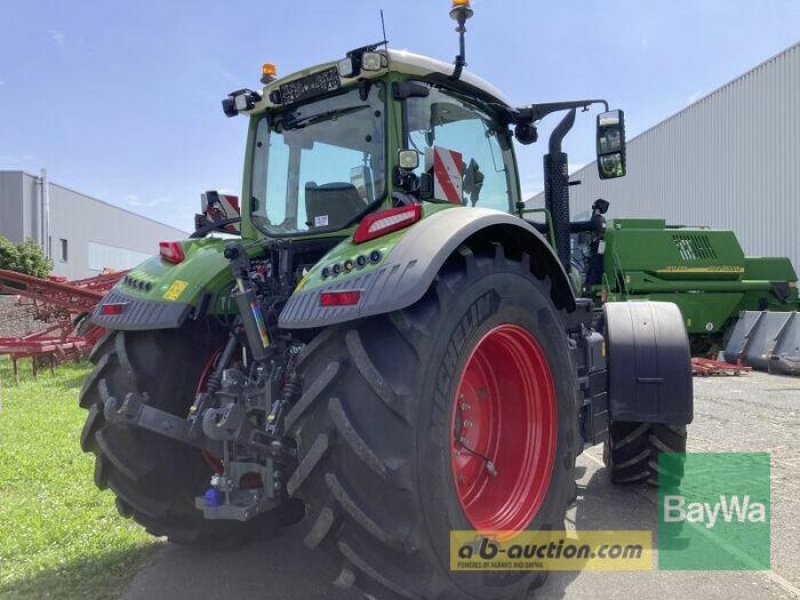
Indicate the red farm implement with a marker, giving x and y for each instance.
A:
(706, 367)
(60, 306)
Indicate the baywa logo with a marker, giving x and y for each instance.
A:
(718, 518)
(729, 508)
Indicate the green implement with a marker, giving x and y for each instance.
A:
(704, 271)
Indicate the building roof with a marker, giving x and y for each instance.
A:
(720, 89)
(691, 107)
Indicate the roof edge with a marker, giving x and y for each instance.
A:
(104, 202)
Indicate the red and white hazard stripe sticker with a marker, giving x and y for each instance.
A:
(227, 207)
(230, 205)
(447, 175)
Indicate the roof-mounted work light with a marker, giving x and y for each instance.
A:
(239, 101)
(362, 59)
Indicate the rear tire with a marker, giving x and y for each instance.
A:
(373, 429)
(631, 453)
(156, 479)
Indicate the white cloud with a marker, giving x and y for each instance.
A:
(56, 36)
(134, 200)
(24, 162)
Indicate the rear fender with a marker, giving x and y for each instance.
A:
(408, 268)
(158, 294)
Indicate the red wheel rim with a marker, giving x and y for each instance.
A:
(504, 411)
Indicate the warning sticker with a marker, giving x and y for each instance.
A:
(176, 289)
(321, 221)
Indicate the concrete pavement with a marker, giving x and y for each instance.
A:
(756, 412)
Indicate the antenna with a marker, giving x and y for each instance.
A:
(383, 28)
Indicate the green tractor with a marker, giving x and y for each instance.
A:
(386, 351)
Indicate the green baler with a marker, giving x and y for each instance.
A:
(704, 271)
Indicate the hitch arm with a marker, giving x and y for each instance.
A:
(134, 411)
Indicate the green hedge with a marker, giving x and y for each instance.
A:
(26, 257)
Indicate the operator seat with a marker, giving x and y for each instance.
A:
(332, 204)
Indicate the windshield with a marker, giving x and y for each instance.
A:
(320, 165)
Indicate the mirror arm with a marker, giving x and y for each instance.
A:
(537, 112)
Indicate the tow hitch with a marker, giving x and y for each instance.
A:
(239, 425)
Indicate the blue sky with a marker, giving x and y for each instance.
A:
(121, 99)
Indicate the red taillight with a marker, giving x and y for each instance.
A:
(380, 223)
(171, 251)
(112, 309)
(345, 298)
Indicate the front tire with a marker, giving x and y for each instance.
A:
(378, 432)
(632, 450)
(154, 478)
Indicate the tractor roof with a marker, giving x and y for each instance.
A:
(401, 61)
(418, 64)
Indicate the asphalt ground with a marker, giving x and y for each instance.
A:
(752, 413)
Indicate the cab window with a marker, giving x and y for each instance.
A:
(449, 126)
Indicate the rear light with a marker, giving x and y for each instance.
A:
(112, 309)
(171, 252)
(380, 223)
(345, 298)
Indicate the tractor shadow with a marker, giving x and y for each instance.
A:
(279, 569)
(602, 506)
(284, 568)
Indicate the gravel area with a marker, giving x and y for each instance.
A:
(15, 319)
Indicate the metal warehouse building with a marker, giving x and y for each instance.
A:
(731, 160)
(83, 235)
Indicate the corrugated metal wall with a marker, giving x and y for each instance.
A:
(730, 160)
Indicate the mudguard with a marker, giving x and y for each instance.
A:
(407, 269)
(162, 295)
(649, 363)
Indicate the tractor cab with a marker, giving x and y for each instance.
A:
(379, 129)
(382, 129)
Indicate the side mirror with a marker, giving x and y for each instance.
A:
(611, 144)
